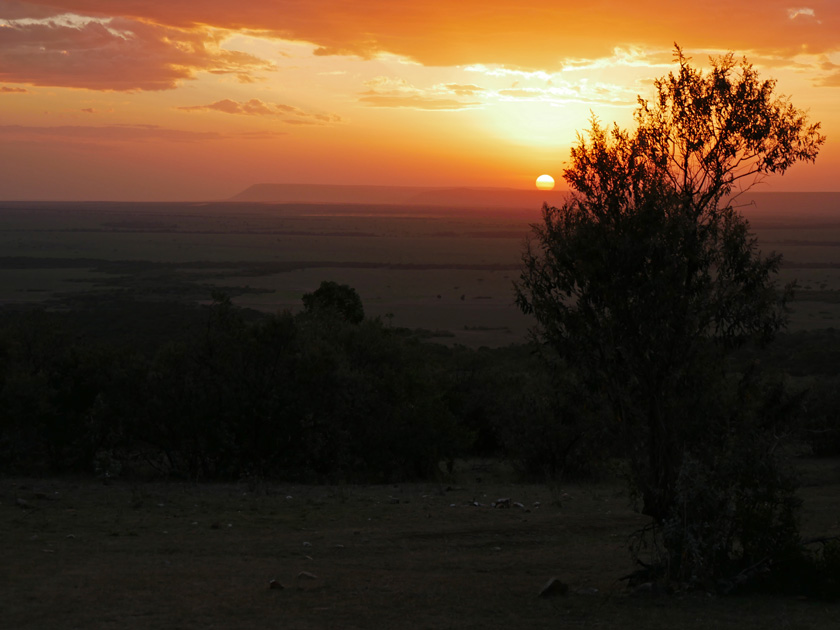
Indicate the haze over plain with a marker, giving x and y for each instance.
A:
(189, 100)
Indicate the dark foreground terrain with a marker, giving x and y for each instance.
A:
(82, 554)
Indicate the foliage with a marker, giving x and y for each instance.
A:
(647, 278)
(333, 299)
(821, 422)
(547, 423)
(311, 396)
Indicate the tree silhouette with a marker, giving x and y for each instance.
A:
(648, 277)
(331, 298)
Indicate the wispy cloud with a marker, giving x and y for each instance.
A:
(394, 92)
(255, 107)
(802, 11)
(831, 74)
(12, 90)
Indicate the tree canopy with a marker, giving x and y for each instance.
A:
(648, 276)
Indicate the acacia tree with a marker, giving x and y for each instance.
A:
(647, 277)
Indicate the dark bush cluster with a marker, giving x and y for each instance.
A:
(323, 395)
(315, 396)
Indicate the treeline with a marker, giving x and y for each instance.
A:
(323, 395)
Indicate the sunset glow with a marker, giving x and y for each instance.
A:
(180, 100)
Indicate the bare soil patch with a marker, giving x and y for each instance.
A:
(82, 554)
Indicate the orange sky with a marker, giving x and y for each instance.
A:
(198, 99)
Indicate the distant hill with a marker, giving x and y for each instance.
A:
(760, 206)
(399, 195)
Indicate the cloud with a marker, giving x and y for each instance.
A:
(256, 107)
(413, 101)
(463, 90)
(394, 92)
(13, 90)
(795, 13)
(831, 76)
(582, 92)
(114, 54)
(529, 34)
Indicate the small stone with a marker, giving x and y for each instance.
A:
(307, 544)
(503, 503)
(518, 505)
(22, 504)
(587, 591)
(306, 575)
(553, 587)
(275, 585)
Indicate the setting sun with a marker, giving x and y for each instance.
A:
(545, 182)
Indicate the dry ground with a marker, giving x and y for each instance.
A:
(81, 554)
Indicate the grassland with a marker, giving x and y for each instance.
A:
(450, 271)
(439, 555)
(83, 554)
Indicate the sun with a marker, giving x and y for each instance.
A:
(545, 182)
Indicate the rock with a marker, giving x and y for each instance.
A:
(275, 585)
(518, 505)
(306, 575)
(307, 544)
(553, 587)
(503, 503)
(22, 504)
